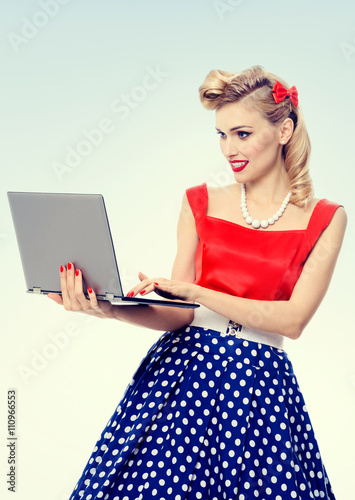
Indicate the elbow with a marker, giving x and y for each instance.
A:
(179, 318)
(294, 334)
(295, 329)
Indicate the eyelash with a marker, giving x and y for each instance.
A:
(223, 135)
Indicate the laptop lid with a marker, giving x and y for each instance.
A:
(56, 228)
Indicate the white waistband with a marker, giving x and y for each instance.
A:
(205, 318)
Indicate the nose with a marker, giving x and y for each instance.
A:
(229, 148)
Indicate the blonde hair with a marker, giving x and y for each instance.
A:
(254, 87)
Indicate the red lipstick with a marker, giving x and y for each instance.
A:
(235, 165)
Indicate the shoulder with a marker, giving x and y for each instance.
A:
(223, 191)
(335, 211)
(195, 194)
(332, 218)
(324, 202)
(339, 217)
(198, 187)
(195, 200)
(320, 207)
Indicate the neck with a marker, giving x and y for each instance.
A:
(269, 189)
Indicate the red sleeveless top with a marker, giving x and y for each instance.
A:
(250, 263)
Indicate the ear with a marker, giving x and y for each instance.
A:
(286, 131)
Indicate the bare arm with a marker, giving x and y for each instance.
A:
(288, 318)
(155, 317)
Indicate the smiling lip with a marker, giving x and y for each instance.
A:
(235, 168)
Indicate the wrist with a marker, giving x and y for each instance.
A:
(198, 293)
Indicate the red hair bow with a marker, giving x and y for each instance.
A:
(279, 93)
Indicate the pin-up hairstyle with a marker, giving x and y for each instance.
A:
(254, 87)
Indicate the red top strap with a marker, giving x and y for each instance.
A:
(320, 219)
(198, 198)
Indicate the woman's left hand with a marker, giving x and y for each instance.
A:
(169, 289)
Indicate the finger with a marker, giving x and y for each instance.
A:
(93, 300)
(145, 287)
(56, 298)
(70, 302)
(145, 281)
(63, 286)
(71, 281)
(154, 286)
(71, 287)
(79, 292)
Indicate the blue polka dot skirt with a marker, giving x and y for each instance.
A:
(209, 417)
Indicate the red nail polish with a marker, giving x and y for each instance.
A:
(143, 292)
(69, 266)
(130, 294)
(76, 272)
(61, 269)
(155, 283)
(90, 289)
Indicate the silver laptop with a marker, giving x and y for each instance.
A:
(53, 229)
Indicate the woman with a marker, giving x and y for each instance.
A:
(214, 410)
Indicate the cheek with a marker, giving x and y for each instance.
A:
(264, 141)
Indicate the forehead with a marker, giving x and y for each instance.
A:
(236, 113)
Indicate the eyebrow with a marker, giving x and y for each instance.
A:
(235, 128)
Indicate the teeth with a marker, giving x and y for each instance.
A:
(241, 164)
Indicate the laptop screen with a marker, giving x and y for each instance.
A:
(54, 229)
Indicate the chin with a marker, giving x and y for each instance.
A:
(241, 178)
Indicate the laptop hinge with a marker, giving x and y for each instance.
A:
(109, 296)
(37, 290)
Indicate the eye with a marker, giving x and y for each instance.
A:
(221, 134)
(243, 135)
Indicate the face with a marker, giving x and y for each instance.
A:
(249, 142)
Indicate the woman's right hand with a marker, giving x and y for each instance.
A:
(73, 298)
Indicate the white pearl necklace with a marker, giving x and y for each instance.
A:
(264, 223)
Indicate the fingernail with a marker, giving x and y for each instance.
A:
(76, 272)
(90, 289)
(130, 294)
(61, 269)
(69, 266)
(155, 283)
(143, 292)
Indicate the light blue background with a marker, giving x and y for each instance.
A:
(67, 77)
